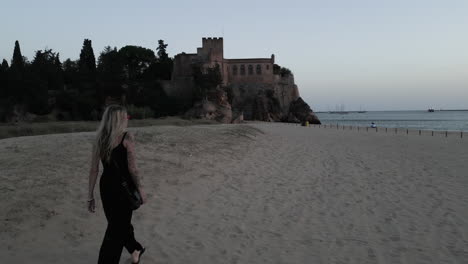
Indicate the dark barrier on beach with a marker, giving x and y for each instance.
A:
(396, 130)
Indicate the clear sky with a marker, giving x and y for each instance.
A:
(374, 54)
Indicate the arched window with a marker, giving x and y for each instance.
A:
(250, 69)
(242, 69)
(234, 70)
(259, 69)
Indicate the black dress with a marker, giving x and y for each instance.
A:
(119, 232)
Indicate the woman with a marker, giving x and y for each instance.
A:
(116, 149)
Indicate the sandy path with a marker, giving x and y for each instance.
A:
(257, 193)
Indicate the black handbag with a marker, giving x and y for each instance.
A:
(130, 192)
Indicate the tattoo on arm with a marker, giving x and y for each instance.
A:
(131, 158)
(93, 173)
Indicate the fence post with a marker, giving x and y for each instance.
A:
(395, 130)
(367, 129)
(461, 134)
(432, 132)
(406, 131)
(376, 129)
(419, 131)
(386, 130)
(445, 133)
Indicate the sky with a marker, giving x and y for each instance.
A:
(363, 54)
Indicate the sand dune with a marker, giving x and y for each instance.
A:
(254, 193)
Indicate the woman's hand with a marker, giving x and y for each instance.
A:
(142, 194)
(91, 205)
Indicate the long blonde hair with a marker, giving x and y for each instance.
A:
(111, 126)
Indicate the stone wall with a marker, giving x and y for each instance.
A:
(249, 71)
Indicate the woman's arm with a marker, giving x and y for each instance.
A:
(93, 173)
(129, 143)
(131, 158)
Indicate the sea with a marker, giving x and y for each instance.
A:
(424, 120)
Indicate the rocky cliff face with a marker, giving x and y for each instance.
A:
(300, 111)
(271, 102)
(276, 102)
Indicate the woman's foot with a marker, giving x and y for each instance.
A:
(136, 255)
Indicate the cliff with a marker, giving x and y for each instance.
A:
(271, 102)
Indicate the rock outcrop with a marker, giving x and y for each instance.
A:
(275, 102)
(214, 106)
(279, 102)
(300, 111)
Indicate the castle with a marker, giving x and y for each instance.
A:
(255, 70)
(253, 83)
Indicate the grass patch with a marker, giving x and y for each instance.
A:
(44, 128)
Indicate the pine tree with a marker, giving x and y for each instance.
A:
(3, 79)
(161, 69)
(17, 76)
(17, 62)
(87, 62)
(58, 76)
(162, 54)
(4, 65)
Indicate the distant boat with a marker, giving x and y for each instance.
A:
(361, 111)
(430, 110)
(340, 111)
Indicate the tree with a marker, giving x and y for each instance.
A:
(17, 62)
(58, 80)
(4, 66)
(278, 70)
(16, 75)
(4, 79)
(70, 74)
(110, 65)
(206, 79)
(162, 54)
(136, 61)
(110, 72)
(45, 75)
(87, 62)
(161, 69)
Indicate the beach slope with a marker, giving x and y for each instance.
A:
(252, 193)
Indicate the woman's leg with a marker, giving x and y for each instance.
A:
(113, 242)
(130, 243)
(111, 248)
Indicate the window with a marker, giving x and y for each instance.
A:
(259, 69)
(242, 69)
(268, 67)
(234, 70)
(250, 69)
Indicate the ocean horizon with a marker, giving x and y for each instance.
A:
(441, 120)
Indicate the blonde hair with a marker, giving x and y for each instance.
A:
(111, 126)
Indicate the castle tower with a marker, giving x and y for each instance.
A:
(211, 51)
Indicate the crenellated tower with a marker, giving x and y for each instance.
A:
(211, 50)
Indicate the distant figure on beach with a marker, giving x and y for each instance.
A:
(373, 125)
(115, 148)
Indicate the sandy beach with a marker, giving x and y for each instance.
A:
(250, 193)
